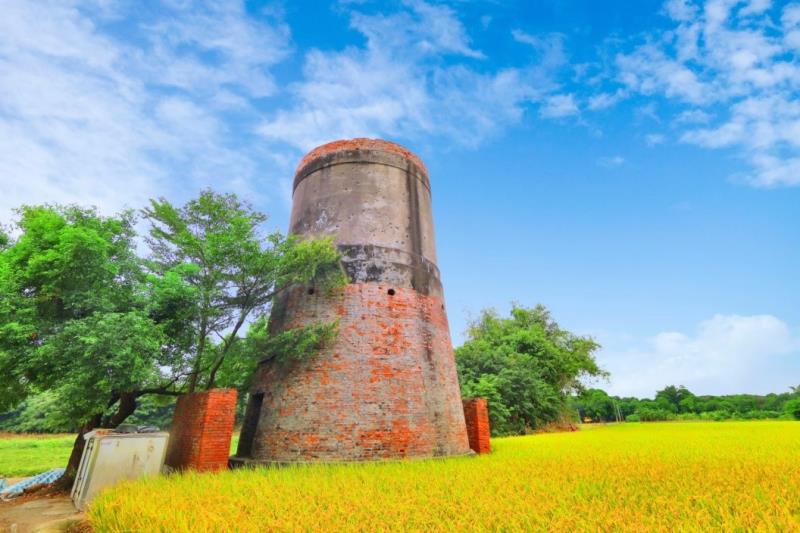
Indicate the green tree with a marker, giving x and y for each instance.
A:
(671, 397)
(525, 365)
(597, 405)
(83, 317)
(214, 271)
(792, 408)
(73, 318)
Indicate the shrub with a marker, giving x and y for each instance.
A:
(792, 408)
(647, 414)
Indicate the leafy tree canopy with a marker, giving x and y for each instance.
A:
(212, 270)
(792, 408)
(526, 365)
(65, 285)
(85, 318)
(595, 404)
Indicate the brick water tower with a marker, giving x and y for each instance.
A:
(386, 386)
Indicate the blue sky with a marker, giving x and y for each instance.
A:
(634, 166)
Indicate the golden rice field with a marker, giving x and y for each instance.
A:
(636, 477)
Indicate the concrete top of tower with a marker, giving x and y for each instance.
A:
(361, 143)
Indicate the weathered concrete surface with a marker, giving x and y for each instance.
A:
(378, 205)
(387, 386)
(45, 514)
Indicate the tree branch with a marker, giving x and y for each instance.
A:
(161, 391)
(227, 343)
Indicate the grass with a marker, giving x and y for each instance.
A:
(26, 455)
(632, 477)
(23, 455)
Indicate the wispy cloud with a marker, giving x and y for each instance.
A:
(611, 161)
(418, 75)
(558, 106)
(92, 117)
(731, 59)
(693, 116)
(725, 354)
(605, 100)
(110, 104)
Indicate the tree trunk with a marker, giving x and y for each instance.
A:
(127, 405)
(201, 346)
(65, 482)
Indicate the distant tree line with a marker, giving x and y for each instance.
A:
(678, 403)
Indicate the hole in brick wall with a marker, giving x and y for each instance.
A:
(311, 290)
(390, 292)
(248, 432)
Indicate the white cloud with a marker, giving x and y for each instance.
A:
(725, 354)
(399, 85)
(754, 7)
(559, 105)
(726, 135)
(768, 128)
(647, 112)
(649, 70)
(693, 116)
(733, 66)
(654, 139)
(88, 116)
(790, 21)
(440, 31)
(680, 9)
(179, 46)
(611, 161)
(549, 48)
(772, 171)
(605, 100)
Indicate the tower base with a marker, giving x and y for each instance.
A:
(386, 387)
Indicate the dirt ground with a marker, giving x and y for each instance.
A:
(40, 514)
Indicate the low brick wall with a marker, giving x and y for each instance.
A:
(202, 427)
(476, 414)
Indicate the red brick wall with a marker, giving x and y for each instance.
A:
(385, 388)
(476, 413)
(202, 427)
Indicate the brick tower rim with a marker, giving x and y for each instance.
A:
(360, 144)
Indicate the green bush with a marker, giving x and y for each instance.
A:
(647, 414)
(759, 414)
(526, 366)
(792, 408)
